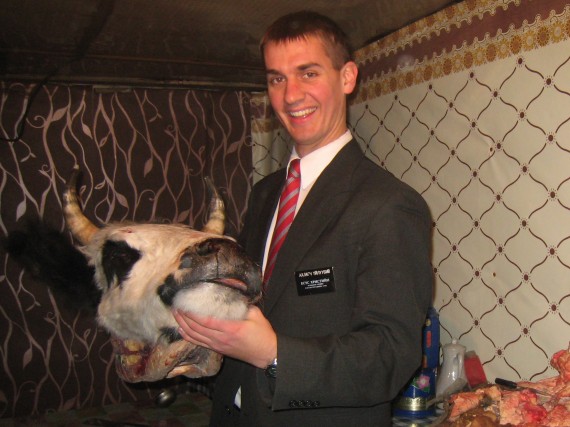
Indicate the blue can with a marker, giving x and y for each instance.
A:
(412, 402)
(430, 340)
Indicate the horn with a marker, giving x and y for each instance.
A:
(81, 228)
(217, 218)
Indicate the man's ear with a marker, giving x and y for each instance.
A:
(349, 74)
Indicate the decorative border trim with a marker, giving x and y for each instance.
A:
(514, 41)
(421, 30)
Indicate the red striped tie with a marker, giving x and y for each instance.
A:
(285, 215)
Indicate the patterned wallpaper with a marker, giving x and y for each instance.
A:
(471, 106)
(144, 154)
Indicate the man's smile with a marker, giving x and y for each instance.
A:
(302, 113)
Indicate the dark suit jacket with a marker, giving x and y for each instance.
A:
(342, 355)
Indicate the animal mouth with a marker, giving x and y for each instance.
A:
(172, 286)
(170, 355)
(232, 282)
(131, 353)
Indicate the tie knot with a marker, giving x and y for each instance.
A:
(294, 169)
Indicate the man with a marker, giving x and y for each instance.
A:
(338, 353)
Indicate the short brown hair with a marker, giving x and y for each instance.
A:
(300, 25)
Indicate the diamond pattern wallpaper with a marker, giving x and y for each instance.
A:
(471, 107)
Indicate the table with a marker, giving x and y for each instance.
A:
(190, 409)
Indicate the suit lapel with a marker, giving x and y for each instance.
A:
(266, 202)
(325, 201)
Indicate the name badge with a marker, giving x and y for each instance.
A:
(315, 281)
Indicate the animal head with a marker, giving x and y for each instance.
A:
(145, 271)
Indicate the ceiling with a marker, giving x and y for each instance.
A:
(194, 43)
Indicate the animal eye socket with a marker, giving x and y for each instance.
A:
(120, 257)
(118, 260)
(186, 261)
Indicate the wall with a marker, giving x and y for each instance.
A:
(272, 144)
(471, 106)
(144, 154)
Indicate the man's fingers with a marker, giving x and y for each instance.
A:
(187, 330)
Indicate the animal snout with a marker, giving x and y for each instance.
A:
(208, 251)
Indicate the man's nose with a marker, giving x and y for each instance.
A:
(293, 92)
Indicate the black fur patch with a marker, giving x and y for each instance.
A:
(51, 259)
(118, 260)
(167, 290)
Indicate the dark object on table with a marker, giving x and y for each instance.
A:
(514, 386)
(165, 398)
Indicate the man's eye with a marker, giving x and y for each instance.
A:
(275, 80)
(310, 75)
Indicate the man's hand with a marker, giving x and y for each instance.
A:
(252, 340)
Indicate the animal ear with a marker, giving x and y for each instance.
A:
(216, 223)
(50, 258)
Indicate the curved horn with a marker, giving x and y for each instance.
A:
(81, 228)
(217, 218)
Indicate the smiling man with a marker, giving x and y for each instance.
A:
(308, 90)
(348, 281)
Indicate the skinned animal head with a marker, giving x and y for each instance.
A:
(145, 271)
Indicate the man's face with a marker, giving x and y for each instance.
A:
(307, 93)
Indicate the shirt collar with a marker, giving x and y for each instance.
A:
(315, 162)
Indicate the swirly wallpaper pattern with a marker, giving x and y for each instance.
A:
(143, 154)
